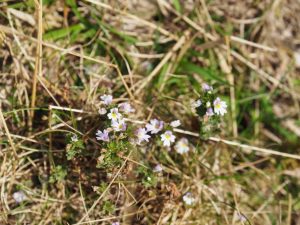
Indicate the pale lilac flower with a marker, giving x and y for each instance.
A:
(220, 107)
(196, 104)
(102, 111)
(242, 217)
(210, 112)
(114, 114)
(74, 138)
(188, 198)
(175, 123)
(167, 138)
(102, 135)
(106, 99)
(158, 168)
(126, 107)
(206, 87)
(115, 223)
(182, 146)
(19, 196)
(155, 126)
(119, 125)
(142, 135)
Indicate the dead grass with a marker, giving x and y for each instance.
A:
(58, 57)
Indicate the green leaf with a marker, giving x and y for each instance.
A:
(74, 149)
(108, 207)
(58, 174)
(73, 5)
(162, 75)
(177, 5)
(148, 177)
(126, 38)
(63, 32)
(207, 74)
(19, 5)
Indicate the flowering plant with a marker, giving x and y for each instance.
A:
(210, 108)
(119, 134)
(119, 129)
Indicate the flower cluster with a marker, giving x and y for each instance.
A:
(209, 105)
(141, 134)
(115, 115)
(118, 137)
(210, 108)
(189, 199)
(154, 127)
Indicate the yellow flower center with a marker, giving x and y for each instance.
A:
(183, 145)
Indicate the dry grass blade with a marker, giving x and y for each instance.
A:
(243, 146)
(38, 59)
(55, 47)
(177, 46)
(4, 125)
(147, 23)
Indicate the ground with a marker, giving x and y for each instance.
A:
(60, 60)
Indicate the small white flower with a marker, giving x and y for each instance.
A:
(158, 168)
(106, 99)
(126, 107)
(155, 126)
(206, 87)
(210, 112)
(142, 135)
(220, 107)
(102, 136)
(175, 123)
(182, 146)
(196, 104)
(114, 114)
(74, 138)
(119, 125)
(188, 198)
(167, 138)
(208, 104)
(19, 196)
(115, 223)
(102, 111)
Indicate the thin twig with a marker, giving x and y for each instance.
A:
(216, 139)
(179, 43)
(8, 133)
(243, 146)
(142, 21)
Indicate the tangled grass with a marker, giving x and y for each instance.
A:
(59, 57)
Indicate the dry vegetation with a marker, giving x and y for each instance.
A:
(58, 57)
